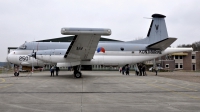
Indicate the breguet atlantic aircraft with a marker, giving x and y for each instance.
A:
(85, 48)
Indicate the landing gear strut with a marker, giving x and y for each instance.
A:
(16, 70)
(77, 73)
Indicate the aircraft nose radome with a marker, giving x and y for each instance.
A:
(10, 58)
(7, 58)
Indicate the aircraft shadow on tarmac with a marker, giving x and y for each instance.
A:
(60, 76)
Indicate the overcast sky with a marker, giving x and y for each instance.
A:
(29, 20)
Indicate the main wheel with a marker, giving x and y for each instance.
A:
(77, 74)
(15, 74)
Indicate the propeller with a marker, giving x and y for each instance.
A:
(32, 58)
(33, 54)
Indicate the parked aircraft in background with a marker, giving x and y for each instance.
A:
(85, 48)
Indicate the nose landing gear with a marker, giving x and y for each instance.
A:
(16, 70)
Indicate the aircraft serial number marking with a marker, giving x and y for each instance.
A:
(150, 52)
(79, 48)
(23, 58)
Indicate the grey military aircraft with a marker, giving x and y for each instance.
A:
(85, 48)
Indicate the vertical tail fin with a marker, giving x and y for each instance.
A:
(157, 30)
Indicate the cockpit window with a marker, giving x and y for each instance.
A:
(22, 46)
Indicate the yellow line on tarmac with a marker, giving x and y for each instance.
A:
(6, 86)
(190, 96)
(160, 87)
(155, 86)
(181, 87)
(194, 85)
(2, 80)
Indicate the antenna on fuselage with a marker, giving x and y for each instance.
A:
(147, 18)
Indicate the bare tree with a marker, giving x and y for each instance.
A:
(196, 46)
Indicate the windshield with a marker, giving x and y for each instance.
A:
(23, 46)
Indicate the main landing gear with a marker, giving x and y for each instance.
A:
(16, 74)
(77, 73)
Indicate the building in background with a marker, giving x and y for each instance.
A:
(187, 61)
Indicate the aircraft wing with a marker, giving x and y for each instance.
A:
(85, 42)
(163, 44)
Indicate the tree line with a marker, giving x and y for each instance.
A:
(195, 46)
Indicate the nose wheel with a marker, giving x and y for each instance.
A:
(16, 70)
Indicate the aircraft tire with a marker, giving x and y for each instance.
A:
(77, 74)
(15, 74)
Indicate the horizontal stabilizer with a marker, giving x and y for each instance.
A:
(163, 44)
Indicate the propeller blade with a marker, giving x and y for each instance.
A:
(34, 55)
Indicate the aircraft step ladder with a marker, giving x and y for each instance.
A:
(136, 68)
